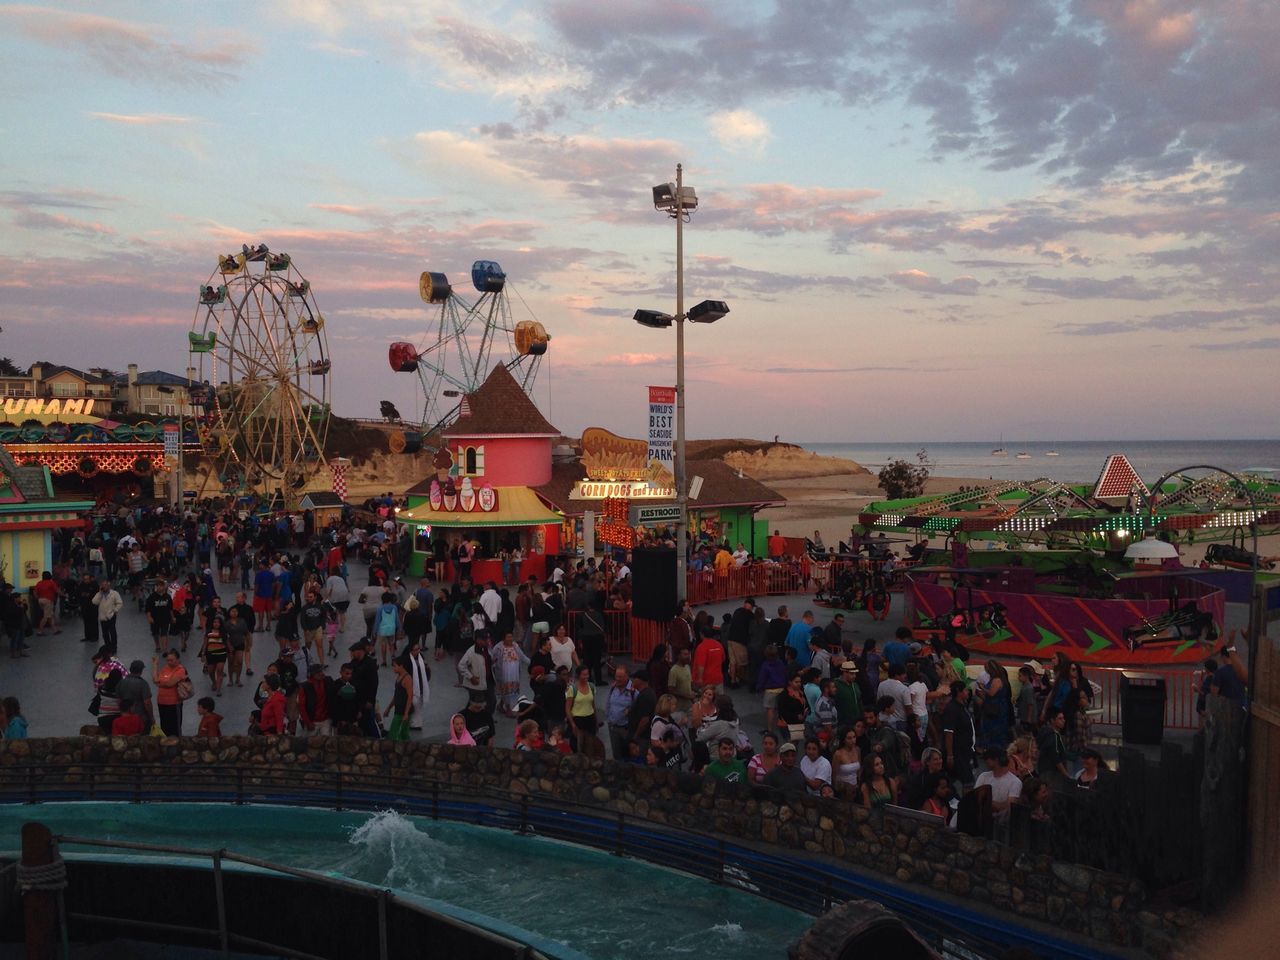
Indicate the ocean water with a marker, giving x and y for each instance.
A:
(598, 905)
(1078, 461)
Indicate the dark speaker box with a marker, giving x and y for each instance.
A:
(653, 589)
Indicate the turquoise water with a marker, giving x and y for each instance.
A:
(596, 904)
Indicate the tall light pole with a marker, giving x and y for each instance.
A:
(679, 201)
(682, 488)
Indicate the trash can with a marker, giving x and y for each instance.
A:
(1142, 697)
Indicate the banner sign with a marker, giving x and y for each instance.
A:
(453, 497)
(607, 456)
(650, 516)
(662, 428)
(619, 490)
(172, 440)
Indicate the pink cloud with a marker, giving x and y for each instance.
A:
(922, 282)
(134, 51)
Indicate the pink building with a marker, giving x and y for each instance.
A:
(489, 461)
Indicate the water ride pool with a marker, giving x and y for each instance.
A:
(595, 904)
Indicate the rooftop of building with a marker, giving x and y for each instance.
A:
(500, 407)
(722, 486)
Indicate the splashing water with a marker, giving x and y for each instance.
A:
(390, 850)
(572, 895)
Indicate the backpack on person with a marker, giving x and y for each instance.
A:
(386, 622)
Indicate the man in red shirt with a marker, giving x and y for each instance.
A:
(46, 592)
(314, 702)
(127, 723)
(777, 546)
(335, 558)
(708, 665)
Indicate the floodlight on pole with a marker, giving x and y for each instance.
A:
(653, 318)
(709, 311)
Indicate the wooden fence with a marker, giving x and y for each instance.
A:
(1142, 821)
(1264, 743)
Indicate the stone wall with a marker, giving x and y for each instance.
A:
(1070, 898)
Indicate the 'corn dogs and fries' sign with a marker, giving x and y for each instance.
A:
(620, 468)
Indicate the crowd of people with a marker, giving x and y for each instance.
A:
(295, 594)
(906, 723)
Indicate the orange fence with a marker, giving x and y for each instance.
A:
(624, 634)
(617, 629)
(774, 579)
(756, 580)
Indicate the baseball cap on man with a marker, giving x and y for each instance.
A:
(787, 747)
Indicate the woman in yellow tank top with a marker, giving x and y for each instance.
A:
(581, 701)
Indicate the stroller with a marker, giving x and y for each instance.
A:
(69, 598)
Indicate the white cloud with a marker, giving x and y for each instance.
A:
(443, 150)
(140, 119)
(740, 130)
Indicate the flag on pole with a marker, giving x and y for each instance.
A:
(338, 467)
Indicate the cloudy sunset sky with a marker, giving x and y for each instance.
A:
(932, 220)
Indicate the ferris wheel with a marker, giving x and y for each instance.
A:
(459, 350)
(258, 342)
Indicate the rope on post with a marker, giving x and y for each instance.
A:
(50, 876)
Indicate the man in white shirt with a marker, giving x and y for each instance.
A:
(918, 700)
(1005, 786)
(337, 593)
(421, 675)
(820, 658)
(109, 603)
(557, 574)
(624, 571)
(491, 602)
(740, 556)
(895, 688)
(816, 769)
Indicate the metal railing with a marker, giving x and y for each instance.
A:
(383, 900)
(1182, 688)
(807, 884)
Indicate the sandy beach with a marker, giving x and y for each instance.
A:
(830, 504)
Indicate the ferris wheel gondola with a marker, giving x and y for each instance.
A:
(459, 350)
(258, 342)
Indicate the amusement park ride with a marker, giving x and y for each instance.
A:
(1090, 571)
(258, 339)
(455, 357)
(259, 346)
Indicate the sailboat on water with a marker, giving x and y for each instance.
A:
(1000, 451)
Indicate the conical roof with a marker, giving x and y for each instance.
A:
(1118, 479)
(500, 407)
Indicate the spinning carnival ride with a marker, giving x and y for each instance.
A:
(455, 357)
(259, 338)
